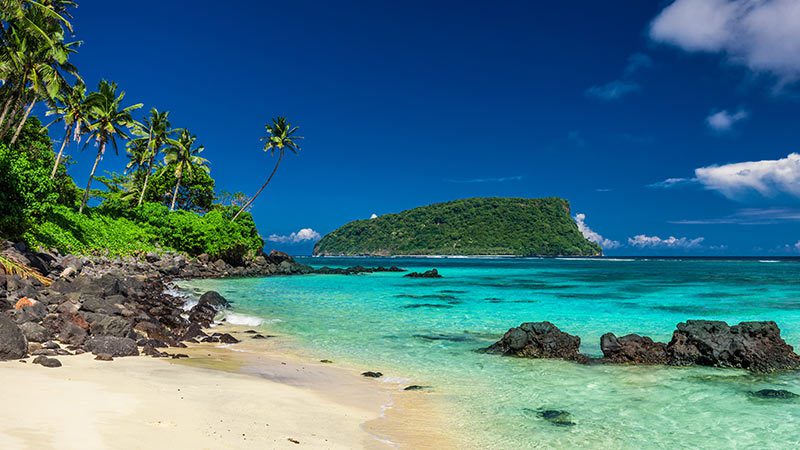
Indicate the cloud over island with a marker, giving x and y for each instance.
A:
(304, 235)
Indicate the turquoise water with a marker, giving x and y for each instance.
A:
(427, 330)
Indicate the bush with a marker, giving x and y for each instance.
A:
(69, 232)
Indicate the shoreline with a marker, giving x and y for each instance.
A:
(398, 418)
(247, 395)
(124, 307)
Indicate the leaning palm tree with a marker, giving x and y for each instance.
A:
(109, 120)
(153, 134)
(280, 137)
(186, 157)
(33, 68)
(74, 112)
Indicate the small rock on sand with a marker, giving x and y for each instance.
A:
(47, 362)
(370, 374)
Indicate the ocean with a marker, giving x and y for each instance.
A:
(427, 331)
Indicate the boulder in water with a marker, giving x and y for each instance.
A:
(632, 349)
(755, 346)
(538, 340)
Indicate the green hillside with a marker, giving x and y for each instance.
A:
(475, 226)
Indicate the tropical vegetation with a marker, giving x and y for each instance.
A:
(475, 226)
(165, 199)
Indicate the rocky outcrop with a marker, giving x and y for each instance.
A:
(109, 305)
(538, 340)
(355, 270)
(433, 273)
(632, 349)
(755, 346)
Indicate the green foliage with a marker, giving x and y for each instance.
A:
(26, 191)
(70, 232)
(196, 192)
(149, 227)
(476, 226)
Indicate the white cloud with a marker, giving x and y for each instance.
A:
(724, 120)
(373, 216)
(762, 35)
(797, 246)
(588, 233)
(670, 182)
(613, 90)
(767, 177)
(305, 234)
(643, 241)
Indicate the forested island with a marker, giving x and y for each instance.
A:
(474, 226)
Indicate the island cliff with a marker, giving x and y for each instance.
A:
(474, 226)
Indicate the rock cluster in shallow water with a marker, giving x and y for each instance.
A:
(754, 346)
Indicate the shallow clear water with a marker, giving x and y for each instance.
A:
(427, 331)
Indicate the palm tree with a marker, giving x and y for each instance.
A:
(74, 112)
(109, 120)
(186, 158)
(280, 137)
(153, 135)
(55, 11)
(33, 61)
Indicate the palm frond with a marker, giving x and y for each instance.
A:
(13, 267)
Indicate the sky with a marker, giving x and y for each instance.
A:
(670, 126)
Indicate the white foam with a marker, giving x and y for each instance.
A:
(242, 319)
(598, 259)
(767, 261)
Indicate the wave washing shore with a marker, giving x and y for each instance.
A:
(428, 330)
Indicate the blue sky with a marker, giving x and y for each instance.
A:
(407, 103)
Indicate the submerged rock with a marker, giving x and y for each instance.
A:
(755, 346)
(433, 273)
(415, 387)
(633, 349)
(370, 374)
(774, 394)
(538, 340)
(556, 417)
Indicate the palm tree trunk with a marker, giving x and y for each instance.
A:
(175, 194)
(22, 122)
(91, 176)
(10, 119)
(60, 152)
(6, 108)
(250, 202)
(146, 179)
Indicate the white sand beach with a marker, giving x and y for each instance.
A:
(241, 397)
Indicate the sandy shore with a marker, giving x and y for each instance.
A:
(247, 395)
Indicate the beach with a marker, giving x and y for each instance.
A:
(217, 398)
